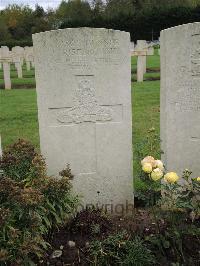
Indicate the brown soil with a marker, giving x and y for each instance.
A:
(141, 223)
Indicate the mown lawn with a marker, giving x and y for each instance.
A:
(18, 109)
(18, 116)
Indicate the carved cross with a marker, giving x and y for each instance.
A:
(87, 114)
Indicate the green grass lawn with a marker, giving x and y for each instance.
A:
(28, 79)
(20, 81)
(147, 76)
(18, 117)
(152, 62)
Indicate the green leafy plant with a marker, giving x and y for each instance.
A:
(179, 204)
(20, 161)
(119, 249)
(183, 196)
(31, 204)
(147, 191)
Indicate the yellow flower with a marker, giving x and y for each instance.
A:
(156, 174)
(171, 177)
(147, 168)
(148, 159)
(198, 179)
(159, 164)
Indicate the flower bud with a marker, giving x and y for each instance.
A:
(148, 159)
(156, 174)
(171, 177)
(147, 168)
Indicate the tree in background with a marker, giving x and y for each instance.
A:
(144, 19)
(18, 21)
(74, 13)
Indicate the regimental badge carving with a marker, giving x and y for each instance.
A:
(86, 107)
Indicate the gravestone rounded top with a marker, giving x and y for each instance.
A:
(81, 29)
(181, 27)
(180, 97)
(83, 78)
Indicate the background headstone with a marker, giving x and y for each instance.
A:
(17, 53)
(180, 97)
(6, 60)
(27, 57)
(142, 46)
(83, 79)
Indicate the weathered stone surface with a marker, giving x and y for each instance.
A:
(6, 60)
(83, 81)
(150, 51)
(142, 46)
(29, 57)
(180, 97)
(17, 57)
(132, 46)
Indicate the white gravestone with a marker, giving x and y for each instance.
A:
(17, 53)
(132, 46)
(150, 50)
(180, 97)
(141, 54)
(31, 56)
(142, 46)
(6, 60)
(27, 57)
(83, 79)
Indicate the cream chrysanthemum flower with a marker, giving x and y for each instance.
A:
(148, 159)
(156, 174)
(171, 177)
(198, 179)
(159, 164)
(147, 168)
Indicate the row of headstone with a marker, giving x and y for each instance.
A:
(85, 115)
(16, 56)
(141, 50)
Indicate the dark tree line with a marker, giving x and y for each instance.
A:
(144, 19)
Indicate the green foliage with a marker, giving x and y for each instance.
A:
(118, 249)
(20, 161)
(31, 203)
(147, 191)
(11, 43)
(183, 196)
(180, 237)
(150, 145)
(179, 208)
(142, 18)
